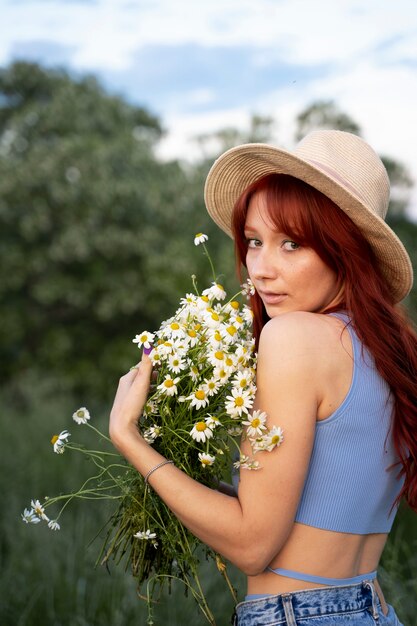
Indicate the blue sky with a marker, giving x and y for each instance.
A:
(205, 65)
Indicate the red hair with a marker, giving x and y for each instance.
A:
(313, 220)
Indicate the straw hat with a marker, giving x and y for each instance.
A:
(340, 165)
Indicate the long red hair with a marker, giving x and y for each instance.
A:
(313, 220)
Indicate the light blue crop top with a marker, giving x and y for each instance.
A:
(349, 486)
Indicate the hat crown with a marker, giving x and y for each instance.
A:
(350, 161)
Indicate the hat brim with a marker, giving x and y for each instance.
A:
(239, 167)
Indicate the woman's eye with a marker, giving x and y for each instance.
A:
(253, 243)
(290, 245)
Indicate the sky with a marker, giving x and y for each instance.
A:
(209, 64)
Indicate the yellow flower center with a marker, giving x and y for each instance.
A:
(169, 383)
(255, 422)
(243, 382)
(192, 333)
(219, 355)
(200, 394)
(215, 317)
(239, 319)
(199, 234)
(239, 401)
(232, 330)
(175, 362)
(54, 439)
(201, 426)
(80, 413)
(235, 305)
(174, 326)
(229, 361)
(197, 326)
(217, 336)
(275, 439)
(211, 385)
(205, 298)
(219, 286)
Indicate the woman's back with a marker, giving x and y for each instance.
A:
(325, 552)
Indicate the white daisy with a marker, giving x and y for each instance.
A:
(30, 517)
(59, 441)
(235, 431)
(152, 433)
(274, 438)
(176, 364)
(232, 307)
(201, 432)
(239, 402)
(198, 399)
(191, 337)
(247, 314)
(217, 358)
(169, 385)
(206, 459)
(144, 339)
(243, 458)
(39, 510)
(200, 238)
(193, 372)
(215, 292)
(212, 421)
(211, 386)
(81, 416)
(221, 375)
(174, 330)
(244, 379)
(203, 303)
(255, 424)
(53, 525)
(145, 534)
(230, 333)
(247, 288)
(155, 356)
(212, 319)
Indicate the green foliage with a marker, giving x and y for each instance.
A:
(96, 232)
(324, 114)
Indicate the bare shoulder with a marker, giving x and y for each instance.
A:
(301, 331)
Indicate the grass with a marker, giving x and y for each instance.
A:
(50, 579)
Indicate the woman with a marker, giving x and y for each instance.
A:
(337, 365)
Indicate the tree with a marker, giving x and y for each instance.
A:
(96, 233)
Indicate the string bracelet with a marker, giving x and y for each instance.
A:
(151, 471)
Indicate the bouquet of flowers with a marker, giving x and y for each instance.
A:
(196, 412)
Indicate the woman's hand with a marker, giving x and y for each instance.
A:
(129, 401)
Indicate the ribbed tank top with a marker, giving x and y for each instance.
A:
(350, 487)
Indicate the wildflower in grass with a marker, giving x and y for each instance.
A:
(201, 432)
(215, 292)
(81, 416)
(239, 402)
(30, 517)
(255, 424)
(206, 459)
(53, 525)
(39, 510)
(198, 399)
(248, 288)
(59, 441)
(169, 386)
(176, 364)
(145, 339)
(200, 238)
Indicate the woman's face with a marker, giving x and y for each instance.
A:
(287, 276)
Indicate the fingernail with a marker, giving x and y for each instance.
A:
(147, 350)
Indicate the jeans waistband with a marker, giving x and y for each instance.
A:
(307, 603)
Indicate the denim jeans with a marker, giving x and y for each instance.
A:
(350, 605)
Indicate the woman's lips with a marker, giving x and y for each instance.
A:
(272, 298)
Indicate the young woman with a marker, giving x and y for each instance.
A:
(337, 366)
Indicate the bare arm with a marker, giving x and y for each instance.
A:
(250, 529)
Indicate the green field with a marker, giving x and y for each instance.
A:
(50, 579)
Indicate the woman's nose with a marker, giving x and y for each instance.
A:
(263, 266)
